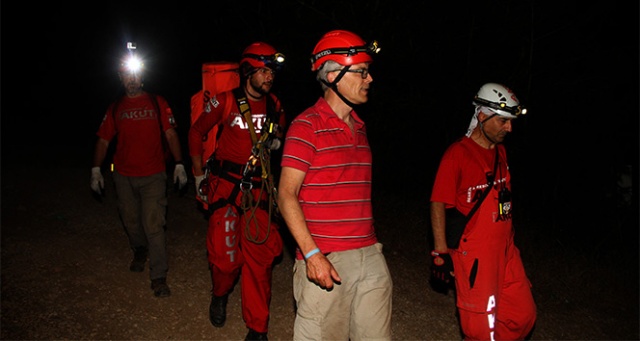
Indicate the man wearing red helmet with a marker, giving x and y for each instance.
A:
(242, 237)
(493, 292)
(342, 285)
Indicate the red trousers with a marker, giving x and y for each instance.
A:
(493, 292)
(242, 244)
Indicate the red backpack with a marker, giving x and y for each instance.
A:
(217, 77)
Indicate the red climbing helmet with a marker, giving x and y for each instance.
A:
(259, 55)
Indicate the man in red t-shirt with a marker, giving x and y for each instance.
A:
(493, 292)
(140, 121)
(341, 285)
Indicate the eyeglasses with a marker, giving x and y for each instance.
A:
(364, 73)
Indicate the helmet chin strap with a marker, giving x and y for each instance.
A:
(481, 123)
(334, 85)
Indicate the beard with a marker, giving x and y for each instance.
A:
(262, 89)
(133, 88)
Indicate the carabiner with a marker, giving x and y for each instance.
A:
(245, 185)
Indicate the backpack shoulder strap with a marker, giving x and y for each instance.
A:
(490, 178)
(156, 106)
(114, 109)
(163, 138)
(273, 108)
(245, 111)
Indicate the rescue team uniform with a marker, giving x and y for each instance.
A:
(336, 202)
(140, 172)
(493, 292)
(238, 243)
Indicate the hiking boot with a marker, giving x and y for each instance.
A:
(139, 259)
(160, 287)
(253, 335)
(218, 310)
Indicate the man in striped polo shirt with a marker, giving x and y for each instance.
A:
(342, 285)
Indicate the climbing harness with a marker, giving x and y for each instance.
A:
(260, 154)
(257, 165)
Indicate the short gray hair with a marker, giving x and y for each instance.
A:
(324, 70)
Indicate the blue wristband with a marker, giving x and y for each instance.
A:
(311, 253)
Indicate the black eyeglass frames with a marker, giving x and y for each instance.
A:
(364, 73)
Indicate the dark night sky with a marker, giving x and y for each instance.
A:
(574, 65)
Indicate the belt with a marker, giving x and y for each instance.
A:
(235, 168)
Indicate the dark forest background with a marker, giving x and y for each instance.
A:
(574, 65)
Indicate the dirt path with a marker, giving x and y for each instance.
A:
(65, 274)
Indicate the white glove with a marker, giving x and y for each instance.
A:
(180, 175)
(97, 181)
(199, 179)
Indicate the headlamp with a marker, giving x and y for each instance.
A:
(274, 61)
(132, 63)
(515, 110)
(372, 48)
(278, 58)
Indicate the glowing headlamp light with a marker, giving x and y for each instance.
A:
(132, 63)
(278, 58)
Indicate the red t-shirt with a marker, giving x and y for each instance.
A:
(461, 176)
(235, 142)
(139, 148)
(336, 192)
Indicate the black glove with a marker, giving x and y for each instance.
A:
(442, 267)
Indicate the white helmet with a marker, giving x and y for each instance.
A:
(499, 99)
